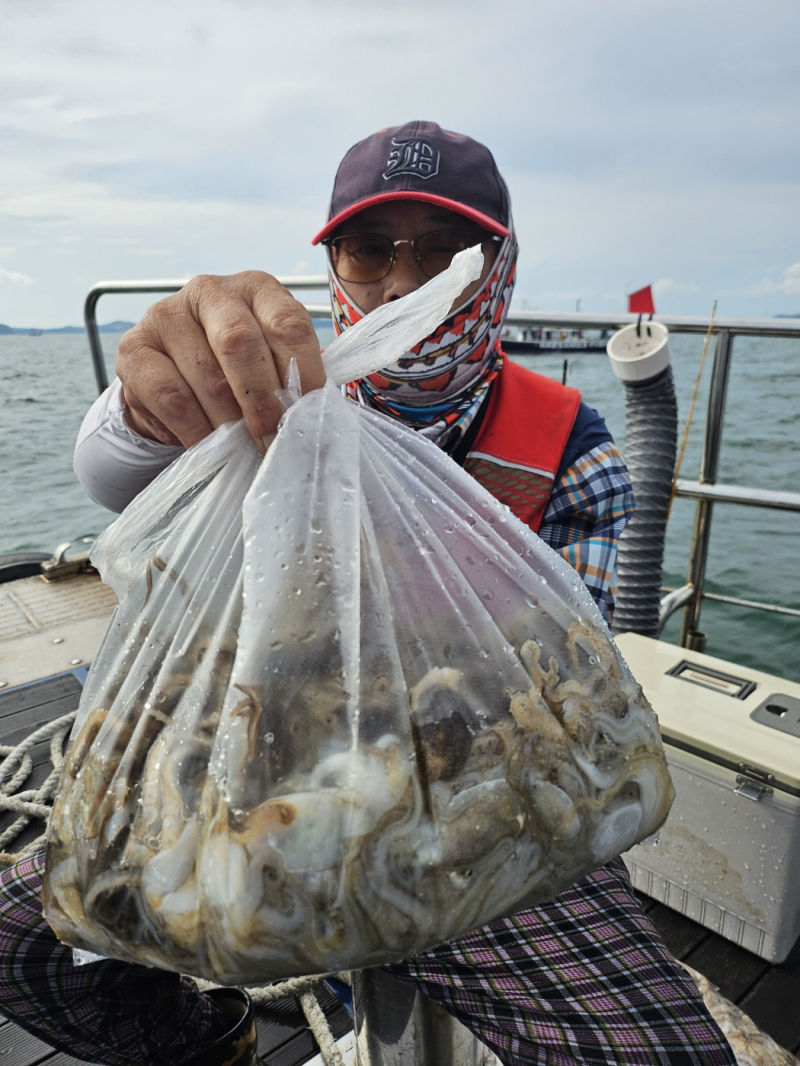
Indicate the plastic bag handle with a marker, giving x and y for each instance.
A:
(384, 335)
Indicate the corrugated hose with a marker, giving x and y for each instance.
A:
(651, 415)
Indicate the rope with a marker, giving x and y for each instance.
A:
(30, 803)
(679, 463)
(315, 1016)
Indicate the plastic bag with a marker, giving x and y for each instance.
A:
(348, 707)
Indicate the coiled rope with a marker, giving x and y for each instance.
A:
(32, 803)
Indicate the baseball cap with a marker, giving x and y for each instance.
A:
(420, 161)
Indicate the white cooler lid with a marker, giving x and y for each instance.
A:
(715, 722)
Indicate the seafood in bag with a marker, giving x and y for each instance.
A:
(348, 707)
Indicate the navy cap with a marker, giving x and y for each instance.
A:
(420, 161)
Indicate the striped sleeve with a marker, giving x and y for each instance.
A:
(589, 507)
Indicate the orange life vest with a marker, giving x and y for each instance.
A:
(522, 438)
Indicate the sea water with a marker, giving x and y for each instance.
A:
(47, 384)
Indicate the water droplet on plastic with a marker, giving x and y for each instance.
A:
(531, 600)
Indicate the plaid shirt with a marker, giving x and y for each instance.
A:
(589, 507)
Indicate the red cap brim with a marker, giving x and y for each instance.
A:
(490, 224)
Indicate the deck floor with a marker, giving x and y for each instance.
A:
(770, 995)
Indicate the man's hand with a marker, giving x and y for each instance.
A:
(216, 352)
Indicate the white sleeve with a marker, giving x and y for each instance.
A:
(112, 461)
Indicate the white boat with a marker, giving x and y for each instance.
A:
(530, 340)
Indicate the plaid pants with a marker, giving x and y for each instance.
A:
(107, 1012)
(584, 979)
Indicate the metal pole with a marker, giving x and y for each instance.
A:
(691, 636)
(95, 344)
(396, 1025)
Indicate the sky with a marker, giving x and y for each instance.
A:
(643, 141)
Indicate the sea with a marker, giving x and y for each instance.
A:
(47, 384)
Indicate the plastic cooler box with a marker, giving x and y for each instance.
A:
(728, 855)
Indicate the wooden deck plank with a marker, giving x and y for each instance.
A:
(774, 1005)
(647, 902)
(679, 933)
(302, 1046)
(60, 1059)
(20, 1048)
(278, 1023)
(731, 968)
(41, 693)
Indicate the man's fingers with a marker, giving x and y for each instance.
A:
(246, 361)
(144, 422)
(171, 327)
(216, 351)
(255, 327)
(290, 334)
(156, 391)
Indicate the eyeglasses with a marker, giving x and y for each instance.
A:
(363, 257)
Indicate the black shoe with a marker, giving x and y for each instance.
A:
(239, 1046)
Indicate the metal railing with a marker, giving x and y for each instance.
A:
(705, 491)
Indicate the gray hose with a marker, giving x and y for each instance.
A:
(651, 416)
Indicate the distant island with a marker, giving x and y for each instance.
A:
(109, 327)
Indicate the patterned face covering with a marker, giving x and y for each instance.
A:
(438, 387)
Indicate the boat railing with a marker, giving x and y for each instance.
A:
(705, 491)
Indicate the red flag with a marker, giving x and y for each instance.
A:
(641, 302)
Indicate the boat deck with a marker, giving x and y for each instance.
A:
(768, 994)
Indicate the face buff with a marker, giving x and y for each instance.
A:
(439, 386)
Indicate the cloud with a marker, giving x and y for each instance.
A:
(213, 128)
(788, 284)
(665, 285)
(14, 277)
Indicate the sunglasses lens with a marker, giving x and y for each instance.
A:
(361, 257)
(435, 250)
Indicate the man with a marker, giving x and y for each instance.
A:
(582, 979)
